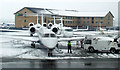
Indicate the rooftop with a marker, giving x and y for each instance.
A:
(74, 13)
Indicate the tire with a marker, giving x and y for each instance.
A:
(91, 49)
(113, 50)
(31, 34)
(49, 54)
(33, 45)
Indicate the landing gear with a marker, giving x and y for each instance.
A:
(50, 52)
(33, 45)
(31, 34)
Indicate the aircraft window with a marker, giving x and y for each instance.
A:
(68, 30)
(46, 35)
(38, 27)
(52, 35)
(88, 42)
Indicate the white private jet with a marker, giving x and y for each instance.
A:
(60, 30)
(51, 34)
(47, 38)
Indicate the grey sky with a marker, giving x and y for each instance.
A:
(9, 7)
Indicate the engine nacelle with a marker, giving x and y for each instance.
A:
(31, 24)
(50, 25)
(44, 25)
(55, 29)
(32, 30)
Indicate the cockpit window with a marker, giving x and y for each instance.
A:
(49, 35)
(38, 27)
(52, 35)
(46, 35)
(68, 30)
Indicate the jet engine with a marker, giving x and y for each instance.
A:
(31, 24)
(44, 25)
(50, 25)
(32, 30)
(55, 29)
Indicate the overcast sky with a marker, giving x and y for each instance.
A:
(9, 7)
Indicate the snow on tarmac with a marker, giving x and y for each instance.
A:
(11, 47)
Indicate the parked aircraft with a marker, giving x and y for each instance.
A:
(48, 38)
(60, 30)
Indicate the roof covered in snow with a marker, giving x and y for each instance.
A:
(79, 14)
(73, 13)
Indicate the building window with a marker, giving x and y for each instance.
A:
(66, 21)
(96, 22)
(108, 22)
(24, 20)
(101, 18)
(68, 17)
(45, 20)
(92, 18)
(108, 17)
(87, 21)
(101, 22)
(72, 17)
(84, 22)
(92, 22)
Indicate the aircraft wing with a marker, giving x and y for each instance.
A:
(22, 35)
(32, 39)
(71, 39)
(82, 34)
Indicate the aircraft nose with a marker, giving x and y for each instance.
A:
(50, 43)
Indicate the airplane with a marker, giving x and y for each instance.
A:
(46, 35)
(60, 30)
(49, 35)
(47, 38)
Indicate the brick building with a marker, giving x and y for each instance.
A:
(93, 19)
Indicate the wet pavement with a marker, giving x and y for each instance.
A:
(71, 63)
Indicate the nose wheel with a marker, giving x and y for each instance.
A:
(50, 52)
(31, 34)
(33, 45)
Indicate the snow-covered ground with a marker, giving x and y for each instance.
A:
(12, 47)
